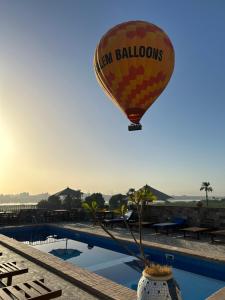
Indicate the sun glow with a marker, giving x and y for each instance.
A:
(6, 146)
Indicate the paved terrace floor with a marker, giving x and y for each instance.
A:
(70, 291)
(202, 247)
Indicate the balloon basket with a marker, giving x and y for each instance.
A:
(133, 127)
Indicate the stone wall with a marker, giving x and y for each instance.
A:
(195, 216)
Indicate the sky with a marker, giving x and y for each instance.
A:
(58, 128)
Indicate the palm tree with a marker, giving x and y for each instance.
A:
(207, 188)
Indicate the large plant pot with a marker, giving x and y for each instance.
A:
(158, 288)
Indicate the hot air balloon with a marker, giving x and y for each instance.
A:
(133, 63)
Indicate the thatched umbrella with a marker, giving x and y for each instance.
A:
(68, 192)
(159, 195)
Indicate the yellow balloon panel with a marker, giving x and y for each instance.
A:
(133, 63)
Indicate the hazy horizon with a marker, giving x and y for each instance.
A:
(91, 192)
(59, 129)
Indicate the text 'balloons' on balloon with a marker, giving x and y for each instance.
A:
(133, 63)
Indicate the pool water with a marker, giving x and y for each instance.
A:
(105, 258)
(124, 269)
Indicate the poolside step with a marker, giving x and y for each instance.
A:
(111, 263)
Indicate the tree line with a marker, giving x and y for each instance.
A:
(116, 201)
(74, 202)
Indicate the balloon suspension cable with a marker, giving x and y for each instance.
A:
(133, 127)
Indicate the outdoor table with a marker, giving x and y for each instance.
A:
(144, 224)
(196, 230)
(106, 214)
(7, 218)
(164, 226)
(217, 233)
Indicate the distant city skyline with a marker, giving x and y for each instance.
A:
(58, 128)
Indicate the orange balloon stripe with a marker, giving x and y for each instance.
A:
(113, 32)
(151, 95)
(168, 43)
(141, 32)
(107, 89)
(146, 83)
(134, 72)
(102, 78)
(110, 77)
(140, 88)
(108, 92)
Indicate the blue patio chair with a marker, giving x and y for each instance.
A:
(128, 217)
(175, 223)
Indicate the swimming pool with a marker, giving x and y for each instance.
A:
(198, 278)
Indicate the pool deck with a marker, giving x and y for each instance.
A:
(35, 271)
(219, 295)
(173, 242)
(78, 283)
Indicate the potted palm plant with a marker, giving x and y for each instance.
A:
(157, 281)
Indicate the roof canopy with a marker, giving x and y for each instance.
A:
(159, 195)
(68, 192)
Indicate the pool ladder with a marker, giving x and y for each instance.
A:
(169, 257)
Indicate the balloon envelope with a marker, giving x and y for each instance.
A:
(133, 63)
